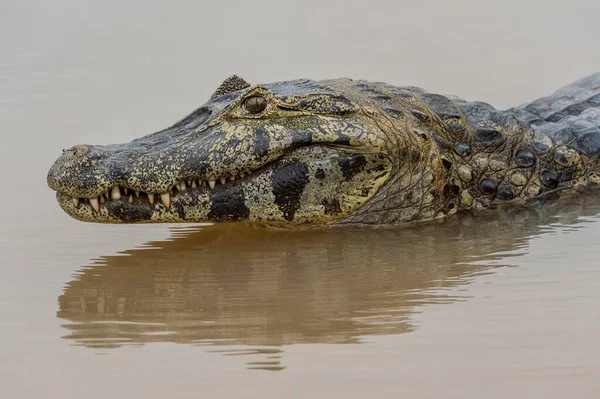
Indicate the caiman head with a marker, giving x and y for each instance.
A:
(282, 154)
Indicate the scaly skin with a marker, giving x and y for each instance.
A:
(337, 153)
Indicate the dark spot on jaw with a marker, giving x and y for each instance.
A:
(332, 207)
(229, 204)
(352, 165)
(301, 138)
(262, 141)
(288, 184)
(342, 139)
(320, 174)
(179, 208)
(129, 213)
(550, 179)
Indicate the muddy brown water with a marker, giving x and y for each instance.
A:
(505, 304)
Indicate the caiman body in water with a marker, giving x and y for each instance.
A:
(337, 153)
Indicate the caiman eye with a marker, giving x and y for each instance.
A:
(255, 104)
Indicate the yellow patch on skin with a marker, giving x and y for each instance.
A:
(466, 199)
(428, 199)
(517, 177)
(465, 173)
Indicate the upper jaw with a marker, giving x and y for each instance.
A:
(158, 162)
(115, 174)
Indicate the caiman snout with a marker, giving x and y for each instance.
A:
(79, 150)
(76, 171)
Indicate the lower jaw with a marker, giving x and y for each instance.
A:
(185, 207)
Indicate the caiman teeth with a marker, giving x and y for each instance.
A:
(116, 194)
(166, 199)
(95, 204)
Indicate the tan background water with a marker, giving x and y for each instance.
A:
(506, 305)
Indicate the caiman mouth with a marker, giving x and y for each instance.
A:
(130, 204)
(134, 196)
(315, 179)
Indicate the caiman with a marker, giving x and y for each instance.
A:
(338, 152)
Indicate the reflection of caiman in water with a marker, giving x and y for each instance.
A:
(223, 285)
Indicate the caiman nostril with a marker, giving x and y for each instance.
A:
(79, 150)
